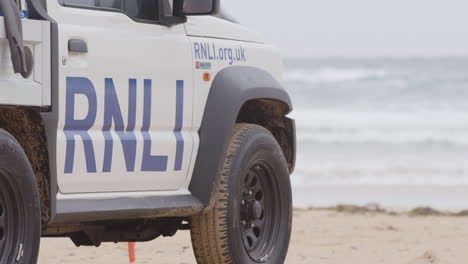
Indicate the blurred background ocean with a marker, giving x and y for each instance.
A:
(389, 131)
(385, 118)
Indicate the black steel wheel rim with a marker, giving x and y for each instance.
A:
(260, 211)
(11, 220)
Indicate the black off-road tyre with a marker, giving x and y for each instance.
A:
(20, 222)
(252, 214)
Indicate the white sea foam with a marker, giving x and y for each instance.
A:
(330, 75)
(421, 177)
(341, 126)
(378, 164)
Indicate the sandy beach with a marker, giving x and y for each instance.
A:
(319, 236)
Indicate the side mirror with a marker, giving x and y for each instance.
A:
(184, 8)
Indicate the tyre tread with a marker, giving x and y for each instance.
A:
(210, 240)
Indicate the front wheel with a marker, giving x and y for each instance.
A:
(251, 218)
(20, 226)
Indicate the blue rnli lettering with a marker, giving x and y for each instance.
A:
(178, 125)
(207, 51)
(197, 50)
(149, 162)
(74, 127)
(127, 136)
(113, 116)
(204, 51)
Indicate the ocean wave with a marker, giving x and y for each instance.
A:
(317, 118)
(380, 121)
(376, 137)
(348, 127)
(390, 176)
(331, 75)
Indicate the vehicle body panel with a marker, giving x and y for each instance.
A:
(214, 27)
(122, 51)
(257, 55)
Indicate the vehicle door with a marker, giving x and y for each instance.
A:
(125, 97)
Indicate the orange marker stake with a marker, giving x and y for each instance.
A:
(131, 252)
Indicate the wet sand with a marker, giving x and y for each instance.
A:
(319, 236)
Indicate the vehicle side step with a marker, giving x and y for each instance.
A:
(79, 211)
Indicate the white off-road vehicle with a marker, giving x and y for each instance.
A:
(126, 120)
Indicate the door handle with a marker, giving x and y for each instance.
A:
(77, 45)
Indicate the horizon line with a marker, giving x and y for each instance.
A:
(379, 57)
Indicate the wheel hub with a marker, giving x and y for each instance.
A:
(258, 212)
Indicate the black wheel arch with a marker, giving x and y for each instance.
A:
(240, 94)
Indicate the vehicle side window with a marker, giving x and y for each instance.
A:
(137, 9)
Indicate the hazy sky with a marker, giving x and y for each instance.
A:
(358, 27)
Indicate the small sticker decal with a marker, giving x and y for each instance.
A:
(202, 65)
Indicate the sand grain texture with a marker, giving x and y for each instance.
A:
(318, 237)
